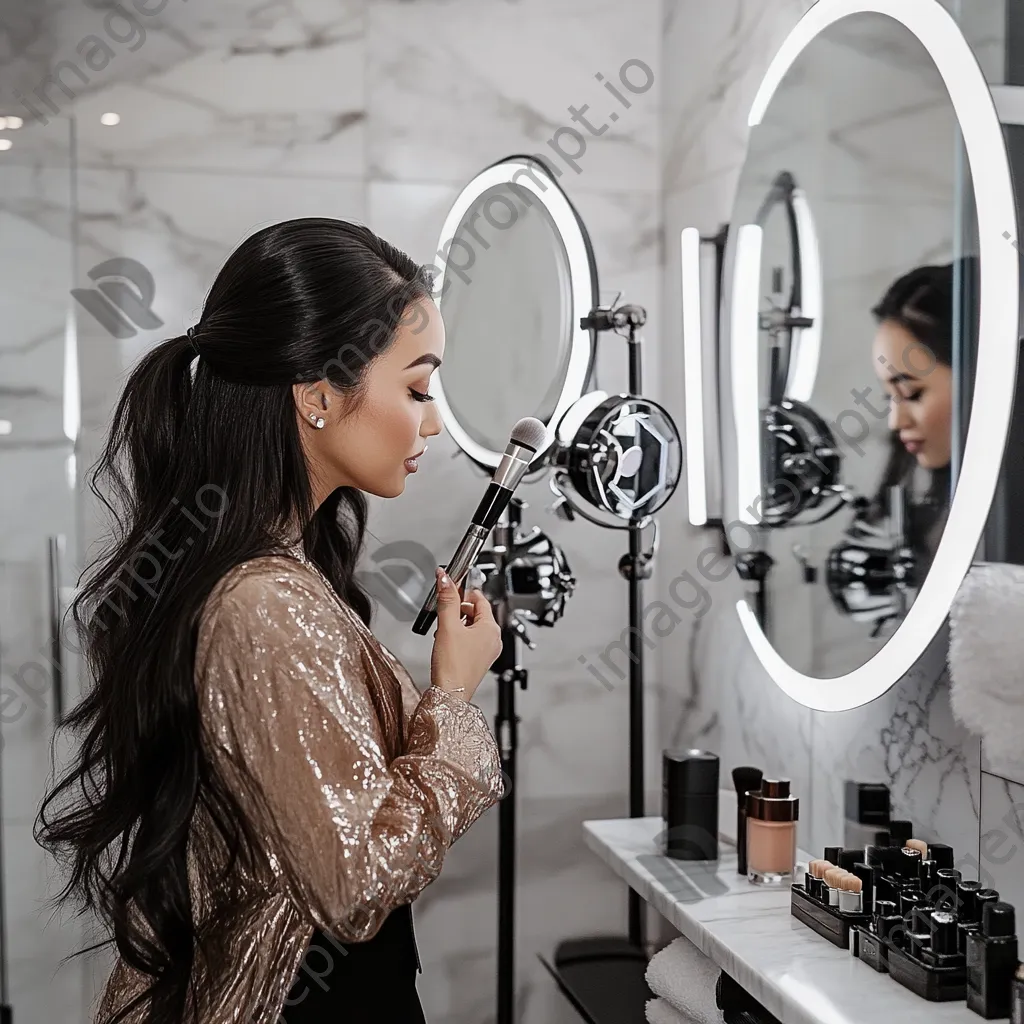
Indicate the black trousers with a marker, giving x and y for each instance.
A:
(372, 982)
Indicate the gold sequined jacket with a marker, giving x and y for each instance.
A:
(283, 669)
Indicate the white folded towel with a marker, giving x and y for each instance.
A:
(659, 1011)
(986, 657)
(685, 978)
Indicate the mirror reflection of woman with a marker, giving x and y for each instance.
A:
(912, 355)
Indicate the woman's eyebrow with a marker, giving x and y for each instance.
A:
(899, 378)
(425, 360)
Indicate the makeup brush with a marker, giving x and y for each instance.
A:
(918, 844)
(746, 780)
(832, 878)
(818, 871)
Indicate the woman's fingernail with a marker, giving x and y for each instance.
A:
(442, 578)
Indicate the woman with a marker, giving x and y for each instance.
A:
(912, 354)
(261, 791)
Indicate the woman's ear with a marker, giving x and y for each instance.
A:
(311, 400)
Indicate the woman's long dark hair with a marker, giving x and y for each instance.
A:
(922, 303)
(206, 473)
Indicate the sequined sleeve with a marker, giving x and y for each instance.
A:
(285, 676)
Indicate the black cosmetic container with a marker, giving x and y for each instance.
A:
(690, 804)
(992, 962)
(909, 868)
(968, 910)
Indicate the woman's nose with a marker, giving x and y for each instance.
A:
(431, 424)
(898, 417)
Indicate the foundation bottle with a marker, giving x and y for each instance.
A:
(772, 815)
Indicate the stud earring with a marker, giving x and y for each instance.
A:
(317, 421)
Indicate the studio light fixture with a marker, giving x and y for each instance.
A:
(745, 326)
(693, 375)
(534, 177)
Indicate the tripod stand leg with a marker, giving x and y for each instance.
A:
(506, 728)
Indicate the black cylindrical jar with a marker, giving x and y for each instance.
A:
(690, 804)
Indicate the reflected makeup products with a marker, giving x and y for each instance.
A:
(866, 813)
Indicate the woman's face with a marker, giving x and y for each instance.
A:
(920, 392)
(372, 441)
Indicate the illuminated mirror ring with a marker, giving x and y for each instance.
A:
(581, 288)
(996, 371)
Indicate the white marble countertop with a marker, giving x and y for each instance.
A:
(749, 932)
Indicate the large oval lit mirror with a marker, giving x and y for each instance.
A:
(870, 326)
(518, 276)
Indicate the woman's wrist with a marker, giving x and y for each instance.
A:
(456, 691)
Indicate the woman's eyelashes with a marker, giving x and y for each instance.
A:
(420, 396)
(910, 396)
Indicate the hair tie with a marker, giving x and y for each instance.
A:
(191, 335)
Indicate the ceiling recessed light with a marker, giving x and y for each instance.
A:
(13, 121)
(5, 144)
(6, 426)
(110, 119)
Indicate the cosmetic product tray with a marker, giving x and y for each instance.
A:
(936, 984)
(870, 949)
(749, 932)
(829, 923)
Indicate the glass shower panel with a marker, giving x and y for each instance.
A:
(39, 413)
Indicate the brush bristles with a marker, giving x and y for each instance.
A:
(530, 433)
(832, 877)
(917, 844)
(820, 867)
(851, 883)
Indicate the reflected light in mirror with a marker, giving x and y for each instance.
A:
(996, 373)
(693, 377)
(746, 400)
(804, 368)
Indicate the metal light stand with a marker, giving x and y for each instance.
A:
(603, 976)
(510, 674)
(634, 567)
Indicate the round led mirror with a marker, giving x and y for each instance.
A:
(518, 276)
(872, 285)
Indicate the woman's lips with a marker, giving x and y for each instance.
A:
(413, 463)
(913, 446)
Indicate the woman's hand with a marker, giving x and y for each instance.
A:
(463, 650)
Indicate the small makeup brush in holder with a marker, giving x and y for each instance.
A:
(831, 899)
